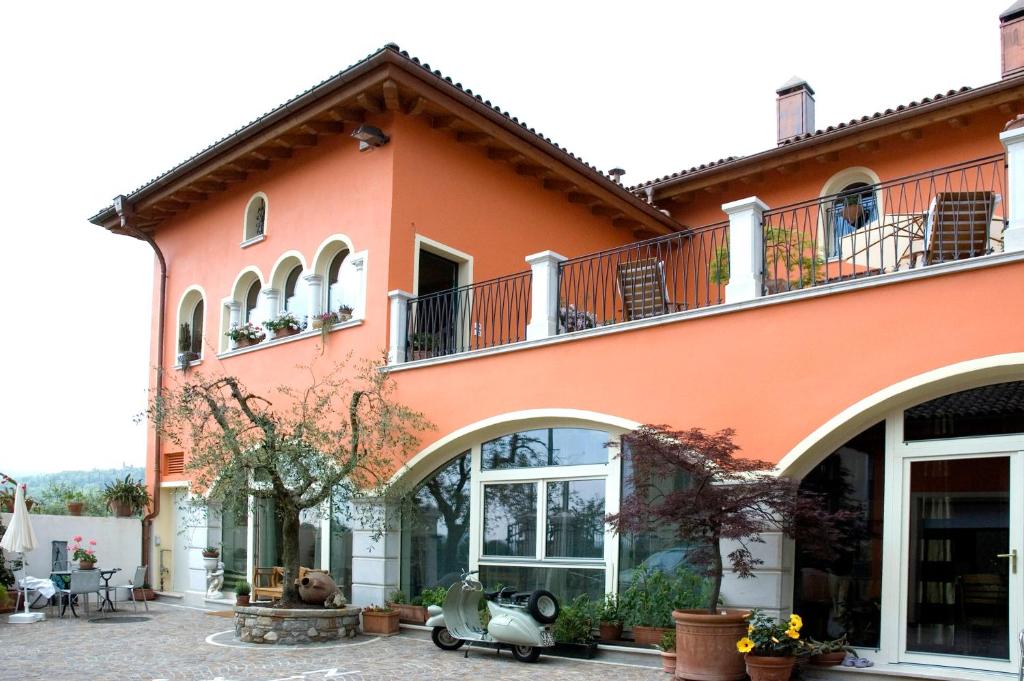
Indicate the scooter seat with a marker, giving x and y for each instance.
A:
(504, 592)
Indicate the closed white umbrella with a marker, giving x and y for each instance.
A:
(20, 538)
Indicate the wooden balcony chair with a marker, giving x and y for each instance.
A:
(982, 600)
(641, 285)
(958, 226)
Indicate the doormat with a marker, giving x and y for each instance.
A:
(221, 613)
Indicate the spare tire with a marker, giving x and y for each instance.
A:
(543, 606)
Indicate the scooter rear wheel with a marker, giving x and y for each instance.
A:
(525, 653)
(444, 640)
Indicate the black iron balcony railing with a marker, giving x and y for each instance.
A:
(472, 317)
(682, 271)
(946, 214)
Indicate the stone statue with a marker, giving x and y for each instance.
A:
(215, 581)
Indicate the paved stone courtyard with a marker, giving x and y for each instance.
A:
(179, 643)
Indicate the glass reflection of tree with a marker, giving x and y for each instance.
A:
(449, 496)
(575, 519)
(514, 507)
(520, 450)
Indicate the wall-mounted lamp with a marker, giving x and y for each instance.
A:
(370, 137)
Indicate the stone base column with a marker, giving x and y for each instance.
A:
(376, 540)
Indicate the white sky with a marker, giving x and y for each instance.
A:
(96, 98)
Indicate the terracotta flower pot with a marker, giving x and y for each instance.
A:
(610, 631)
(706, 645)
(828, 659)
(648, 636)
(9, 506)
(668, 662)
(380, 623)
(121, 509)
(86, 564)
(410, 614)
(245, 342)
(144, 594)
(75, 507)
(769, 668)
(242, 600)
(285, 332)
(344, 316)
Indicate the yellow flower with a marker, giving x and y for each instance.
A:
(795, 622)
(744, 645)
(792, 633)
(750, 628)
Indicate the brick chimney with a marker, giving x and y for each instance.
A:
(795, 108)
(1011, 37)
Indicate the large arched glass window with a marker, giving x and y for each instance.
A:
(336, 296)
(252, 301)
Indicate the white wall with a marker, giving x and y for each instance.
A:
(118, 542)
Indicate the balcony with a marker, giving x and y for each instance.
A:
(912, 224)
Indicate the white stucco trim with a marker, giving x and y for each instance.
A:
(846, 176)
(873, 408)
(325, 251)
(464, 260)
(442, 449)
(283, 266)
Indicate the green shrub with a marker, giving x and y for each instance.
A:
(398, 596)
(653, 595)
(243, 588)
(667, 644)
(609, 611)
(576, 621)
(433, 596)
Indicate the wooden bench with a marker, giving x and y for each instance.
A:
(268, 582)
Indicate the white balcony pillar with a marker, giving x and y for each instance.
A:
(234, 318)
(314, 295)
(1013, 139)
(399, 332)
(359, 299)
(544, 295)
(746, 249)
(271, 303)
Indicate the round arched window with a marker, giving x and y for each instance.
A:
(854, 207)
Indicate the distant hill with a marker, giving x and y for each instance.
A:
(93, 479)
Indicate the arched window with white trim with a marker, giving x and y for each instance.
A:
(244, 306)
(255, 218)
(289, 285)
(338, 278)
(191, 322)
(853, 204)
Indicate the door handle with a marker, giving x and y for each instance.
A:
(1012, 555)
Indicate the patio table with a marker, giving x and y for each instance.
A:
(105, 575)
(64, 577)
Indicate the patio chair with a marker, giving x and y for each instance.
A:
(957, 226)
(83, 583)
(642, 288)
(137, 581)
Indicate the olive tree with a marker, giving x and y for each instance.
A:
(333, 441)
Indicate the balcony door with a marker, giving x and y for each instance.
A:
(962, 576)
(436, 314)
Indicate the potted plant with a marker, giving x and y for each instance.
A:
(185, 354)
(653, 595)
(380, 621)
(725, 499)
(75, 504)
(667, 646)
(85, 554)
(435, 596)
(828, 653)
(245, 335)
(422, 345)
(242, 591)
(211, 556)
(126, 497)
(574, 629)
(770, 646)
(409, 611)
(327, 319)
(5, 601)
(609, 619)
(345, 313)
(7, 499)
(283, 325)
(144, 592)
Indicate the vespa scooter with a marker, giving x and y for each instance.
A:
(520, 621)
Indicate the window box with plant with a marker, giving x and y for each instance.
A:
(284, 325)
(345, 313)
(770, 646)
(126, 497)
(380, 621)
(242, 591)
(574, 629)
(410, 611)
(609, 619)
(726, 499)
(422, 345)
(245, 335)
(827, 653)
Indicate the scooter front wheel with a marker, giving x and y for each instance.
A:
(444, 640)
(525, 653)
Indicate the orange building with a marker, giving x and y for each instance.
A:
(847, 300)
